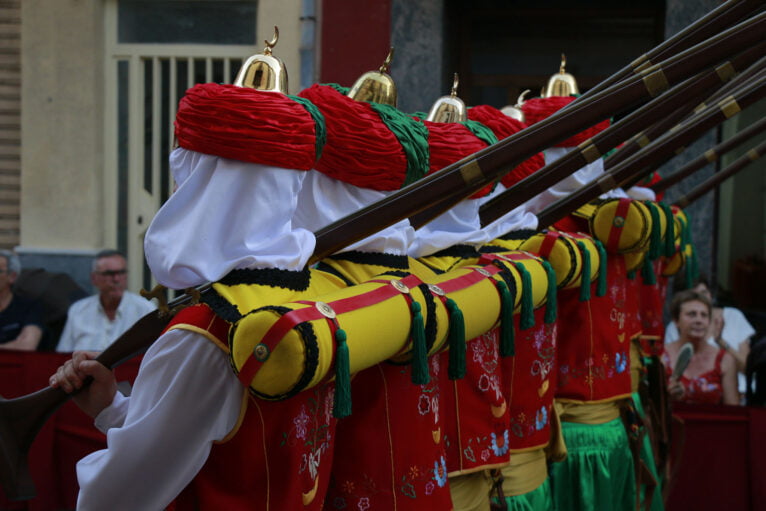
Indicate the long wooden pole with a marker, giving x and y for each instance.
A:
(664, 147)
(719, 177)
(697, 88)
(711, 155)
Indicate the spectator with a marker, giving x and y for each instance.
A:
(94, 322)
(711, 376)
(729, 330)
(21, 319)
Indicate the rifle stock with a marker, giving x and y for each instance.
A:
(23, 417)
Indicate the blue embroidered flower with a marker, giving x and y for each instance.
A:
(541, 418)
(620, 362)
(500, 450)
(440, 472)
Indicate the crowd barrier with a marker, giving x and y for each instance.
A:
(720, 451)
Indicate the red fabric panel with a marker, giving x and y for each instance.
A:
(718, 458)
(67, 436)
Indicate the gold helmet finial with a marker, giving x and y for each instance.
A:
(264, 71)
(376, 86)
(448, 108)
(515, 111)
(562, 83)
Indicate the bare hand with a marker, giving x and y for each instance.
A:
(676, 390)
(71, 376)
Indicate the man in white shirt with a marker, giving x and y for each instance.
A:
(93, 323)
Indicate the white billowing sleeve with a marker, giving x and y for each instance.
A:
(113, 416)
(185, 397)
(736, 328)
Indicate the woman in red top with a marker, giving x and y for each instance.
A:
(711, 376)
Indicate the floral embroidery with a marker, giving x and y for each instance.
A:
(408, 490)
(424, 404)
(500, 449)
(301, 422)
(620, 362)
(485, 455)
(468, 453)
(364, 504)
(541, 419)
(348, 487)
(429, 487)
(339, 503)
(440, 472)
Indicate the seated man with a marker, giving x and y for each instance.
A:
(93, 323)
(21, 320)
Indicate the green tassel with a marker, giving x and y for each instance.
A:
(527, 307)
(670, 231)
(655, 239)
(507, 342)
(342, 404)
(420, 374)
(550, 302)
(456, 341)
(601, 286)
(647, 273)
(585, 274)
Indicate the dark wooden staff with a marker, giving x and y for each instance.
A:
(719, 177)
(664, 147)
(720, 18)
(710, 156)
(698, 88)
(21, 418)
(672, 118)
(749, 76)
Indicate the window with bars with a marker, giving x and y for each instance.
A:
(161, 48)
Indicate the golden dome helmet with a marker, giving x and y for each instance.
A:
(561, 83)
(264, 71)
(448, 108)
(515, 111)
(376, 86)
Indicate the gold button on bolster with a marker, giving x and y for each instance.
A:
(261, 352)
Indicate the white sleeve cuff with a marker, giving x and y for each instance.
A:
(113, 415)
